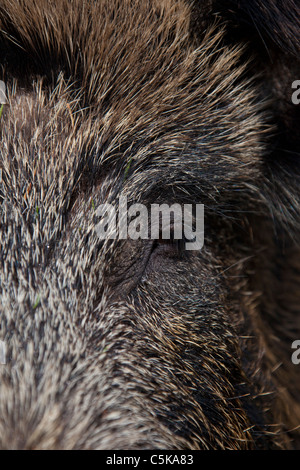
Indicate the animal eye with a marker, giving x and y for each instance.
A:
(171, 245)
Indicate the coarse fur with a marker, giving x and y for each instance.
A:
(134, 344)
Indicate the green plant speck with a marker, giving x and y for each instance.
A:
(36, 304)
(1, 110)
(127, 168)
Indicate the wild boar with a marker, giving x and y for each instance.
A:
(142, 344)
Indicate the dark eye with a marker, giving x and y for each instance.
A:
(171, 247)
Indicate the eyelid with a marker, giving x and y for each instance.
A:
(171, 245)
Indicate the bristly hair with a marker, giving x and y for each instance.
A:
(158, 100)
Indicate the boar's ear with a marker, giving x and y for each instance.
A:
(270, 31)
(266, 22)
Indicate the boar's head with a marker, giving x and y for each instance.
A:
(135, 344)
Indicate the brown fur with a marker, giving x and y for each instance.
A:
(134, 345)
